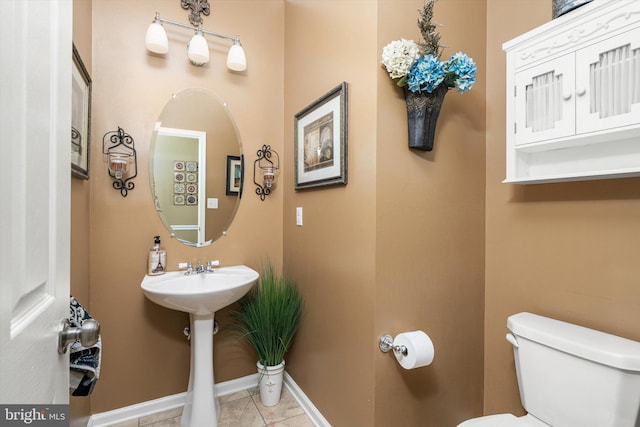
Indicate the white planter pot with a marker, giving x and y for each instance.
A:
(271, 378)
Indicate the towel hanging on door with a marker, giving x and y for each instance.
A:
(84, 362)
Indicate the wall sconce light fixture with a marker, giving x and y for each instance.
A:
(119, 150)
(198, 50)
(267, 169)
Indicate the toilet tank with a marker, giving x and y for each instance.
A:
(572, 376)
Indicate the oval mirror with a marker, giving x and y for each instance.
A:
(195, 166)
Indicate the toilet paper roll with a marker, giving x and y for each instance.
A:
(419, 347)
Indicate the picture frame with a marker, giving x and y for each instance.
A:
(80, 117)
(320, 141)
(235, 175)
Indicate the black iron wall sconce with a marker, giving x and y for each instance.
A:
(120, 154)
(268, 170)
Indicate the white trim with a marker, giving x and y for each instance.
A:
(186, 227)
(166, 403)
(136, 411)
(239, 384)
(309, 408)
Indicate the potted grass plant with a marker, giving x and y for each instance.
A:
(268, 318)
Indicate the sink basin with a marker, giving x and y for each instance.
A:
(201, 294)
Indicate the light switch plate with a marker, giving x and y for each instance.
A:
(299, 216)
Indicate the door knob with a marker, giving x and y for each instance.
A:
(87, 334)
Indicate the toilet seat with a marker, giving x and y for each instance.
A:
(504, 420)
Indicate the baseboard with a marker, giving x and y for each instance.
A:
(304, 402)
(150, 407)
(136, 411)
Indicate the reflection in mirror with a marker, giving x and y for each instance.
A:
(191, 143)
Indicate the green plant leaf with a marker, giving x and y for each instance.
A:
(269, 315)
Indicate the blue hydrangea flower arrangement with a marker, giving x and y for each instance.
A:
(418, 65)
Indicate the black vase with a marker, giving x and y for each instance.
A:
(423, 109)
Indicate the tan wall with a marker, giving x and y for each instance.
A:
(348, 237)
(567, 250)
(332, 256)
(430, 231)
(80, 209)
(401, 246)
(80, 188)
(146, 354)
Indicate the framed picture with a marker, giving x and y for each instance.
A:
(320, 133)
(80, 117)
(178, 199)
(235, 175)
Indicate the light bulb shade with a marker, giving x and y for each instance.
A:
(198, 50)
(236, 59)
(156, 39)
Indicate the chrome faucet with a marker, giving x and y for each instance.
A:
(186, 265)
(199, 269)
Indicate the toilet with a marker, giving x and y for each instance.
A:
(570, 376)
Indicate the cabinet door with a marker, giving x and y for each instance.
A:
(544, 102)
(608, 83)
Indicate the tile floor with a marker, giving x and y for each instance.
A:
(241, 409)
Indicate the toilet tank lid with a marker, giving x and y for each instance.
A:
(607, 349)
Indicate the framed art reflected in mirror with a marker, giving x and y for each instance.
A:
(234, 176)
(80, 117)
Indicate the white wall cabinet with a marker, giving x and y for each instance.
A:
(573, 96)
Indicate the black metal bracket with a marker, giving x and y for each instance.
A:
(119, 144)
(264, 161)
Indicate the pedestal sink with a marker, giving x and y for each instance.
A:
(200, 295)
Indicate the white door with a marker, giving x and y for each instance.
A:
(183, 144)
(35, 131)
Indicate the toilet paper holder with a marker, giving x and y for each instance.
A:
(386, 344)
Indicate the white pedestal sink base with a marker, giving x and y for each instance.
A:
(201, 406)
(200, 295)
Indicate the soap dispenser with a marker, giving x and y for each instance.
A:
(157, 259)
